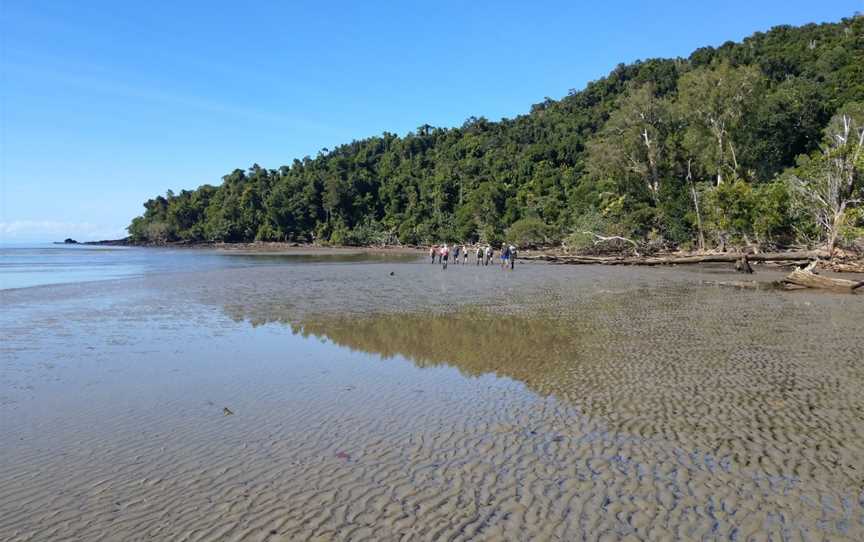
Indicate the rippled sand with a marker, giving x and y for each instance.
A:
(548, 403)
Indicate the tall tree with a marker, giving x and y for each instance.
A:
(635, 139)
(832, 182)
(714, 100)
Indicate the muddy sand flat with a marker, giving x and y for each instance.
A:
(552, 403)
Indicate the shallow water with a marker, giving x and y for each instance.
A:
(28, 265)
(547, 403)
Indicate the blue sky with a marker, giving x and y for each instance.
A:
(105, 104)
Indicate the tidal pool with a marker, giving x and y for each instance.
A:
(552, 402)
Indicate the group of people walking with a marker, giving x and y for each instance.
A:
(484, 255)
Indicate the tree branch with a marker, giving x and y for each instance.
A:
(600, 239)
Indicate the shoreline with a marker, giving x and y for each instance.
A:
(269, 247)
(841, 262)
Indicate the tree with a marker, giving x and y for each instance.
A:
(829, 184)
(714, 102)
(635, 138)
(530, 232)
(729, 211)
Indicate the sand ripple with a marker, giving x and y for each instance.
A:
(558, 406)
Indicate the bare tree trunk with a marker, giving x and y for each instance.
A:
(832, 237)
(654, 182)
(720, 156)
(734, 157)
(696, 206)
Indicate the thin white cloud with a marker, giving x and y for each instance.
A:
(53, 230)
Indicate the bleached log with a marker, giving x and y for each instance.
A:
(677, 260)
(807, 278)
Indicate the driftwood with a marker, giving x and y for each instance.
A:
(743, 265)
(678, 260)
(600, 239)
(807, 278)
(845, 267)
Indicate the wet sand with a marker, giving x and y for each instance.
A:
(472, 404)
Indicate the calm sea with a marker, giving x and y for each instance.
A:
(23, 266)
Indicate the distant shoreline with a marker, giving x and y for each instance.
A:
(263, 247)
(849, 262)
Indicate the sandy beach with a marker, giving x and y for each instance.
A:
(551, 402)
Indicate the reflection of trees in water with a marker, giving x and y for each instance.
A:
(476, 343)
(580, 354)
(685, 367)
(543, 352)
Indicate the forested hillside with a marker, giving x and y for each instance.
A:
(751, 142)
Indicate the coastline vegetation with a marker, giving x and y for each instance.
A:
(753, 143)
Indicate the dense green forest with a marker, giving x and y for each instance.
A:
(751, 142)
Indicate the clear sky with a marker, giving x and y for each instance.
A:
(105, 104)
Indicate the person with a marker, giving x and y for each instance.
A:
(432, 250)
(512, 250)
(456, 254)
(505, 256)
(445, 254)
(488, 254)
(464, 255)
(479, 254)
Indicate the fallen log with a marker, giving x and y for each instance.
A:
(788, 263)
(805, 277)
(845, 267)
(677, 260)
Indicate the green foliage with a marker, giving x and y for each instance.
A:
(624, 154)
(729, 211)
(530, 232)
(368, 233)
(714, 101)
(852, 228)
(773, 218)
(739, 212)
